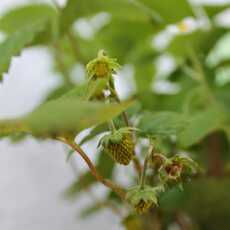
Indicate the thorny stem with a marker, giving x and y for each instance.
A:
(143, 174)
(116, 188)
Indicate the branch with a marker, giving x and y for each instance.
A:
(116, 188)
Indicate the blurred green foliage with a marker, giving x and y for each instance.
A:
(190, 115)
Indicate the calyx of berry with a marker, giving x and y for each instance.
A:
(143, 198)
(174, 168)
(102, 66)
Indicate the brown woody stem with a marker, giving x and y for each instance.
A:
(116, 188)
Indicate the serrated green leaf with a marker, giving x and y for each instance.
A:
(200, 125)
(213, 10)
(78, 92)
(9, 127)
(71, 114)
(164, 9)
(58, 92)
(26, 16)
(198, 40)
(66, 115)
(220, 52)
(14, 44)
(124, 9)
(92, 209)
(94, 132)
(162, 123)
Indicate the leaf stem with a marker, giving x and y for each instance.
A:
(143, 174)
(137, 164)
(112, 126)
(116, 188)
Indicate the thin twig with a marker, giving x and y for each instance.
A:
(142, 179)
(94, 198)
(116, 188)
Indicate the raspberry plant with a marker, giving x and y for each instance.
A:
(173, 142)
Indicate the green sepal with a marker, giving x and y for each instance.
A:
(102, 66)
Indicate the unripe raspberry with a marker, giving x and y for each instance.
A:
(119, 145)
(143, 206)
(122, 152)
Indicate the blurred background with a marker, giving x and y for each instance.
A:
(34, 174)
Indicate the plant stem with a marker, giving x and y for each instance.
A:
(137, 164)
(116, 188)
(124, 114)
(143, 174)
(112, 126)
(72, 40)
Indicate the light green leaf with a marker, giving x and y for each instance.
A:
(162, 123)
(66, 115)
(200, 125)
(122, 9)
(212, 9)
(13, 45)
(165, 9)
(198, 40)
(94, 132)
(9, 127)
(220, 52)
(29, 16)
(71, 114)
